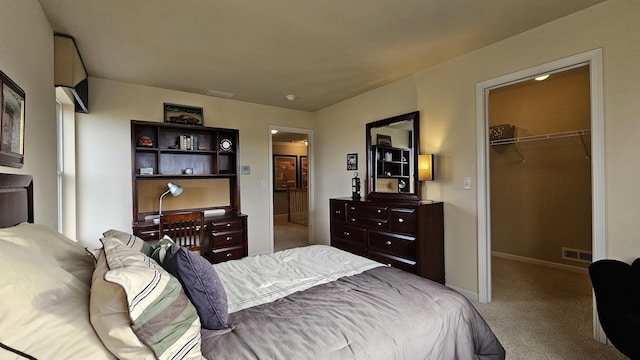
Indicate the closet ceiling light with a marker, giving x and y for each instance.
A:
(290, 97)
(542, 77)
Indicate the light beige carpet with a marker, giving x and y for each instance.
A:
(538, 312)
(287, 235)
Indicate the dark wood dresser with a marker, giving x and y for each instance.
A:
(405, 235)
(226, 236)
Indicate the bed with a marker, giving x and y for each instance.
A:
(316, 302)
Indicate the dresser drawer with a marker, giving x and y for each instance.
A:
(349, 233)
(398, 245)
(352, 247)
(366, 210)
(338, 210)
(226, 238)
(394, 261)
(230, 253)
(225, 225)
(379, 224)
(403, 221)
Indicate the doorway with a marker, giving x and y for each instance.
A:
(594, 60)
(290, 185)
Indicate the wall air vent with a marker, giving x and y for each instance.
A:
(576, 255)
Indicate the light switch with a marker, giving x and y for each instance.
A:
(263, 183)
(466, 183)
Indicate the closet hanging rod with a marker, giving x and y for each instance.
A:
(559, 135)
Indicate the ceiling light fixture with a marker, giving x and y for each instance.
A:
(290, 97)
(274, 131)
(541, 77)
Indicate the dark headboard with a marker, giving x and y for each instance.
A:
(16, 199)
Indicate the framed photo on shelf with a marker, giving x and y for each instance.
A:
(383, 140)
(183, 114)
(11, 123)
(304, 171)
(352, 161)
(285, 172)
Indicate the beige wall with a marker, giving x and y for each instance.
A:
(445, 97)
(541, 190)
(444, 94)
(104, 152)
(26, 56)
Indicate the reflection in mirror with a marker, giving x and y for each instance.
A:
(392, 155)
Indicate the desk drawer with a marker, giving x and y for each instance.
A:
(379, 224)
(225, 225)
(338, 210)
(226, 239)
(230, 253)
(366, 210)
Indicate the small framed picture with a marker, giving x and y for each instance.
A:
(352, 161)
(383, 140)
(183, 114)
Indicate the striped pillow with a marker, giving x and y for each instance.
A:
(161, 315)
(130, 240)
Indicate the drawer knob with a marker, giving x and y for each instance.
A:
(228, 224)
(353, 220)
(338, 212)
(388, 242)
(229, 238)
(229, 254)
(346, 233)
(379, 224)
(353, 208)
(400, 220)
(379, 211)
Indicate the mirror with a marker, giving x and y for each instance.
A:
(392, 157)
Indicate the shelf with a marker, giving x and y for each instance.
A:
(551, 136)
(541, 137)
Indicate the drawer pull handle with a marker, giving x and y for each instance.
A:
(353, 220)
(388, 242)
(229, 238)
(379, 224)
(401, 220)
(346, 233)
(228, 224)
(338, 212)
(229, 254)
(379, 211)
(353, 208)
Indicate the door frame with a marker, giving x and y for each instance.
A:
(310, 185)
(592, 58)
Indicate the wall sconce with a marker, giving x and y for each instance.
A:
(425, 167)
(175, 190)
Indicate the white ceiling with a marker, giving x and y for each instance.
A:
(322, 51)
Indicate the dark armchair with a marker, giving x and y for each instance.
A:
(617, 288)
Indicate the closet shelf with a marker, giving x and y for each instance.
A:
(558, 135)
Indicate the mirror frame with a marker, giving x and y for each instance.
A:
(415, 196)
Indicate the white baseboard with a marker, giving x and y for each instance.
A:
(466, 293)
(539, 262)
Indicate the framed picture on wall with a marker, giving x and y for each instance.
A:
(11, 123)
(352, 161)
(183, 114)
(304, 171)
(285, 172)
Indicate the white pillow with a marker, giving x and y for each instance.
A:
(68, 254)
(44, 311)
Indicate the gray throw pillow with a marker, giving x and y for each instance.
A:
(201, 284)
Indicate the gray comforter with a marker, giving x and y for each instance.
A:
(383, 313)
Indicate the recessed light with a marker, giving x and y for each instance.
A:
(541, 77)
(290, 97)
